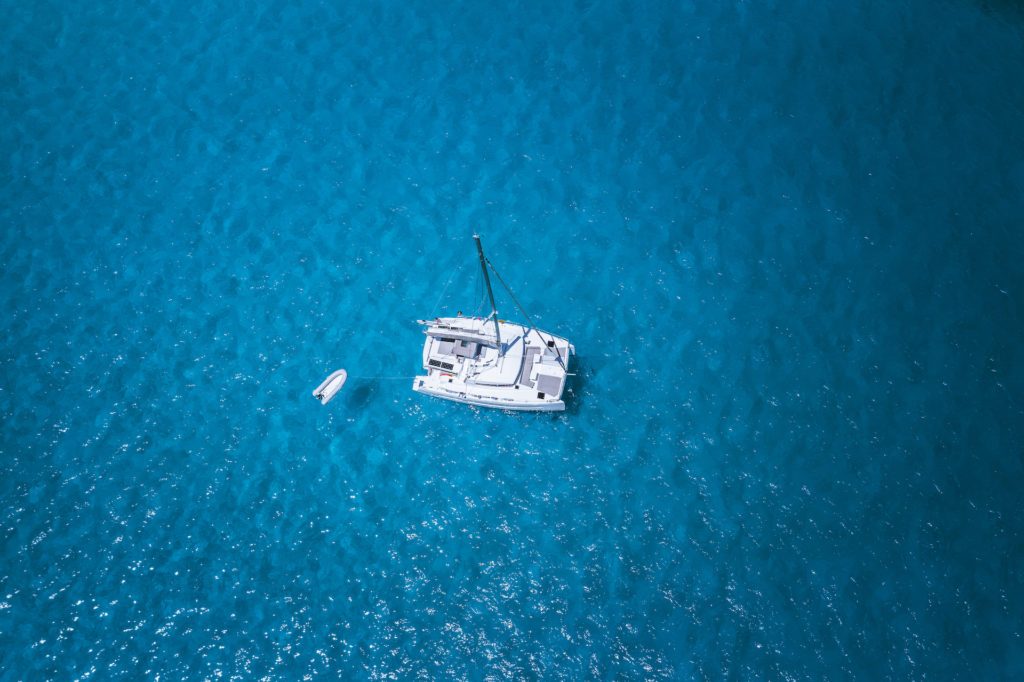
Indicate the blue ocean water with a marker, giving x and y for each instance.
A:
(785, 238)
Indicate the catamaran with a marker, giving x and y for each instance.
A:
(494, 363)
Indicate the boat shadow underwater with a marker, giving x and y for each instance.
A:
(361, 393)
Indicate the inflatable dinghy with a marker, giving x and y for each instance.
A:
(332, 384)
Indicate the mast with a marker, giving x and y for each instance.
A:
(487, 281)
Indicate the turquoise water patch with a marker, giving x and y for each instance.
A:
(784, 240)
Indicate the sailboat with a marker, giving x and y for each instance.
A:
(494, 363)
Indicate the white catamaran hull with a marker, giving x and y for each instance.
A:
(463, 364)
(470, 399)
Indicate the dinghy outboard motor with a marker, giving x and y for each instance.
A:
(332, 384)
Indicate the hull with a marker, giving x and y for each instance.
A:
(469, 399)
(465, 363)
(330, 386)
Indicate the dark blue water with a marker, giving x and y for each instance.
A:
(785, 239)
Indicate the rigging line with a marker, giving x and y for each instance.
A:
(450, 278)
(558, 355)
(479, 294)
